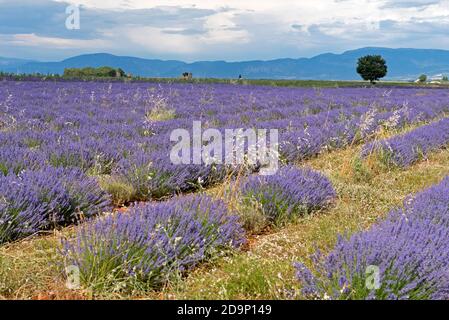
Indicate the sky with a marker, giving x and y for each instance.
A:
(231, 30)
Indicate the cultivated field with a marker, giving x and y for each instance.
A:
(359, 208)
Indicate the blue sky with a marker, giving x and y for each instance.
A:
(219, 30)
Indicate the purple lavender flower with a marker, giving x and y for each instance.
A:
(410, 250)
(153, 242)
(288, 193)
(406, 149)
(39, 200)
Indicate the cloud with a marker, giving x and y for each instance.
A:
(231, 29)
(48, 18)
(33, 40)
(217, 31)
(409, 4)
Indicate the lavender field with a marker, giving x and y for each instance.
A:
(87, 182)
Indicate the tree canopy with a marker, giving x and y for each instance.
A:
(422, 78)
(372, 67)
(94, 72)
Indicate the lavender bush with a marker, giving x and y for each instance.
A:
(153, 243)
(406, 149)
(410, 248)
(39, 200)
(14, 159)
(289, 193)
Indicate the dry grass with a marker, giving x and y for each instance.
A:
(31, 269)
(161, 113)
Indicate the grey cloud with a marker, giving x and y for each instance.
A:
(297, 26)
(409, 4)
(47, 18)
(186, 32)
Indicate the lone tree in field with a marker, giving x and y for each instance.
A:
(422, 78)
(372, 68)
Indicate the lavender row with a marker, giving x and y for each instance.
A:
(35, 201)
(153, 243)
(404, 257)
(284, 196)
(313, 140)
(406, 149)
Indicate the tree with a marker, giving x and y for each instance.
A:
(372, 68)
(104, 72)
(445, 78)
(89, 72)
(422, 78)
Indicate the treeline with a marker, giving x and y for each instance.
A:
(89, 72)
(259, 82)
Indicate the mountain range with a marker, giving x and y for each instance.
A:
(403, 64)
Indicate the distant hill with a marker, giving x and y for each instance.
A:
(11, 64)
(404, 64)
